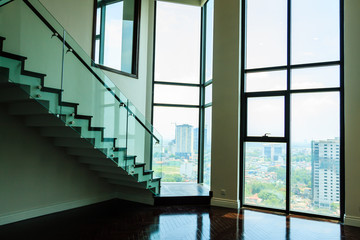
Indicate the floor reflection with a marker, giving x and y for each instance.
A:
(221, 223)
(183, 226)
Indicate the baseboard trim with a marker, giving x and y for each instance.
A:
(24, 215)
(223, 202)
(352, 221)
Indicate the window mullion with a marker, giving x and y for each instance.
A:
(287, 109)
(102, 34)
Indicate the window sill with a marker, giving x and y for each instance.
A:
(113, 70)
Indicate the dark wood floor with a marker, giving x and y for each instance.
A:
(122, 220)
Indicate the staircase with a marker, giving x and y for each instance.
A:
(25, 95)
(3, 2)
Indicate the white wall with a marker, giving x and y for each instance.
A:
(77, 18)
(352, 112)
(225, 113)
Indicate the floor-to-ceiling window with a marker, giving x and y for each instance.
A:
(182, 90)
(176, 101)
(292, 91)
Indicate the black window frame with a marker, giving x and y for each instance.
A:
(287, 95)
(201, 106)
(136, 38)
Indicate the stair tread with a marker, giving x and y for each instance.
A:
(69, 104)
(12, 56)
(140, 164)
(117, 149)
(33, 74)
(51, 90)
(86, 117)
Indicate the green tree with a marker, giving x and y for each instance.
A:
(256, 187)
(280, 172)
(334, 206)
(172, 178)
(302, 176)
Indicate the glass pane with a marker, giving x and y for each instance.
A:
(178, 128)
(96, 101)
(265, 174)
(176, 94)
(208, 94)
(315, 35)
(207, 145)
(209, 40)
(98, 20)
(320, 77)
(97, 50)
(266, 116)
(315, 153)
(177, 56)
(113, 35)
(265, 81)
(128, 35)
(266, 33)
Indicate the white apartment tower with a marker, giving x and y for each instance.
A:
(325, 172)
(184, 139)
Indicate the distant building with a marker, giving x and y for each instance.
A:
(196, 139)
(273, 152)
(172, 147)
(184, 139)
(325, 156)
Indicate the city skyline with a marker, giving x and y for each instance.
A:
(315, 176)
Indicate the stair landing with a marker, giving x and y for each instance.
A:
(183, 194)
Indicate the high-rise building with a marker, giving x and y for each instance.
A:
(196, 139)
(325, 156)
(273, 151)
(184, 140)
